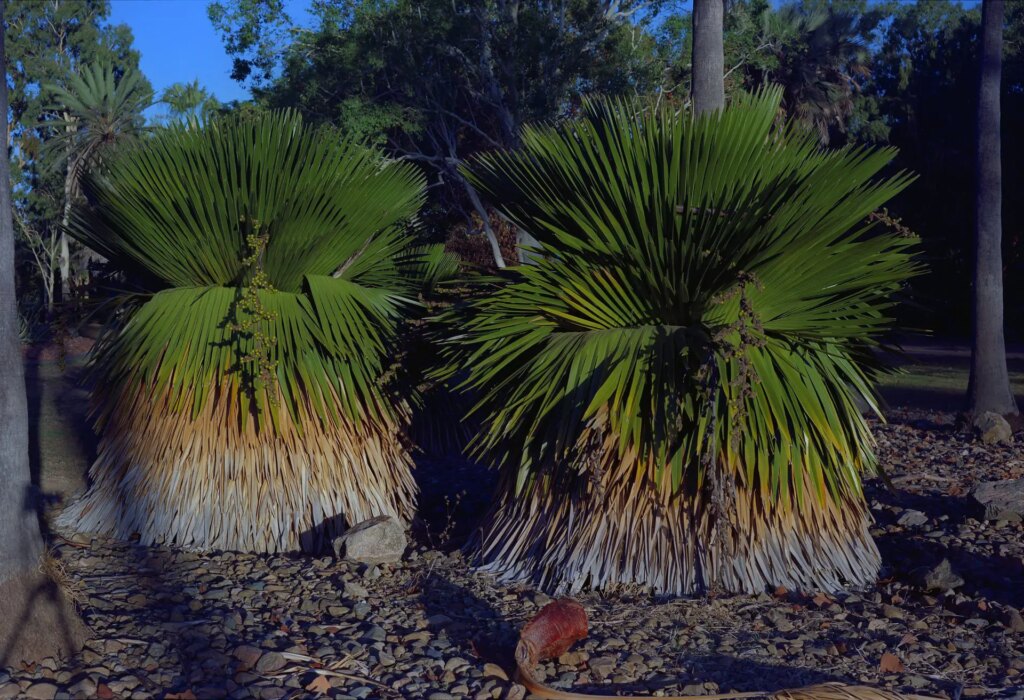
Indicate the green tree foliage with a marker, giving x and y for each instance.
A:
(899, 73)
(698, 325)
(818, 52)
(189, 102)
(436, 81)
(48, 43)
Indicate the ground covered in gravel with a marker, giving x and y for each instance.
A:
(174, 624)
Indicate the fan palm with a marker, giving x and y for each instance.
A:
(671, 391)
(98, 111)
(244, 405)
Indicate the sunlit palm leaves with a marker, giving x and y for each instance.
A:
(240, 414)
(671, 390)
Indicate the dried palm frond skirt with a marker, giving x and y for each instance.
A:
(209, 483)
(612, 528)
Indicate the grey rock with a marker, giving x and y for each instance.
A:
(912, 518)
(375, 633)
(378, 540)
(1001, 500)
(41, 691)
(85, 688)
(1014, 621)
(941, 578)
(355, 591)
(993, 429)
(270, 662)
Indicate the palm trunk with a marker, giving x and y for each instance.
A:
(989, 388)
(708, 56)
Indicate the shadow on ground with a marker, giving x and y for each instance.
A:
(482, 632)
(907, 551)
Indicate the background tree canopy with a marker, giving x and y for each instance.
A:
(437, 82)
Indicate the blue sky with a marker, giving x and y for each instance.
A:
(178, 43)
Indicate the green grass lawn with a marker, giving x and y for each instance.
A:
(935, 376)
(943, 378)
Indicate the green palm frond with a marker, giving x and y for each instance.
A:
(333, 214)
(707, 289)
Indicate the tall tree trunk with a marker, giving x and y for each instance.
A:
(708, 91)
(36, 620)
(65, 248)
(22, 542)
(989, 388)
(485, 217)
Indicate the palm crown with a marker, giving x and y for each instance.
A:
(329, 217)
(245, 403)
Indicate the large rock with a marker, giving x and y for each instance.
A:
(1001, 500)
(993, 429)
(379, 540)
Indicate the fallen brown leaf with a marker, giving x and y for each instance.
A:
(184, 695)
(890, 663)
(319, 686)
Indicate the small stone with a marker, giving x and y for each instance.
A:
(912, 518)
(1014, 621)
(248, 655)
(941, 578)
(375, 633)
(355, 591)
(993, 429)
(41, 691)
(516, 692)
(602, 665)
(85, 688)
(270, 662)
(892, 612)
(379, 540)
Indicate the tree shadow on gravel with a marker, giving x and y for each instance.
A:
(908, 551)
(157, 587)
(471, 624)
(729, 673)
(480, 631)
(993, 577)
(57, 413)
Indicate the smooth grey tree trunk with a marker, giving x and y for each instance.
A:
(21, 543)
(989, 388)
(708, 88)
